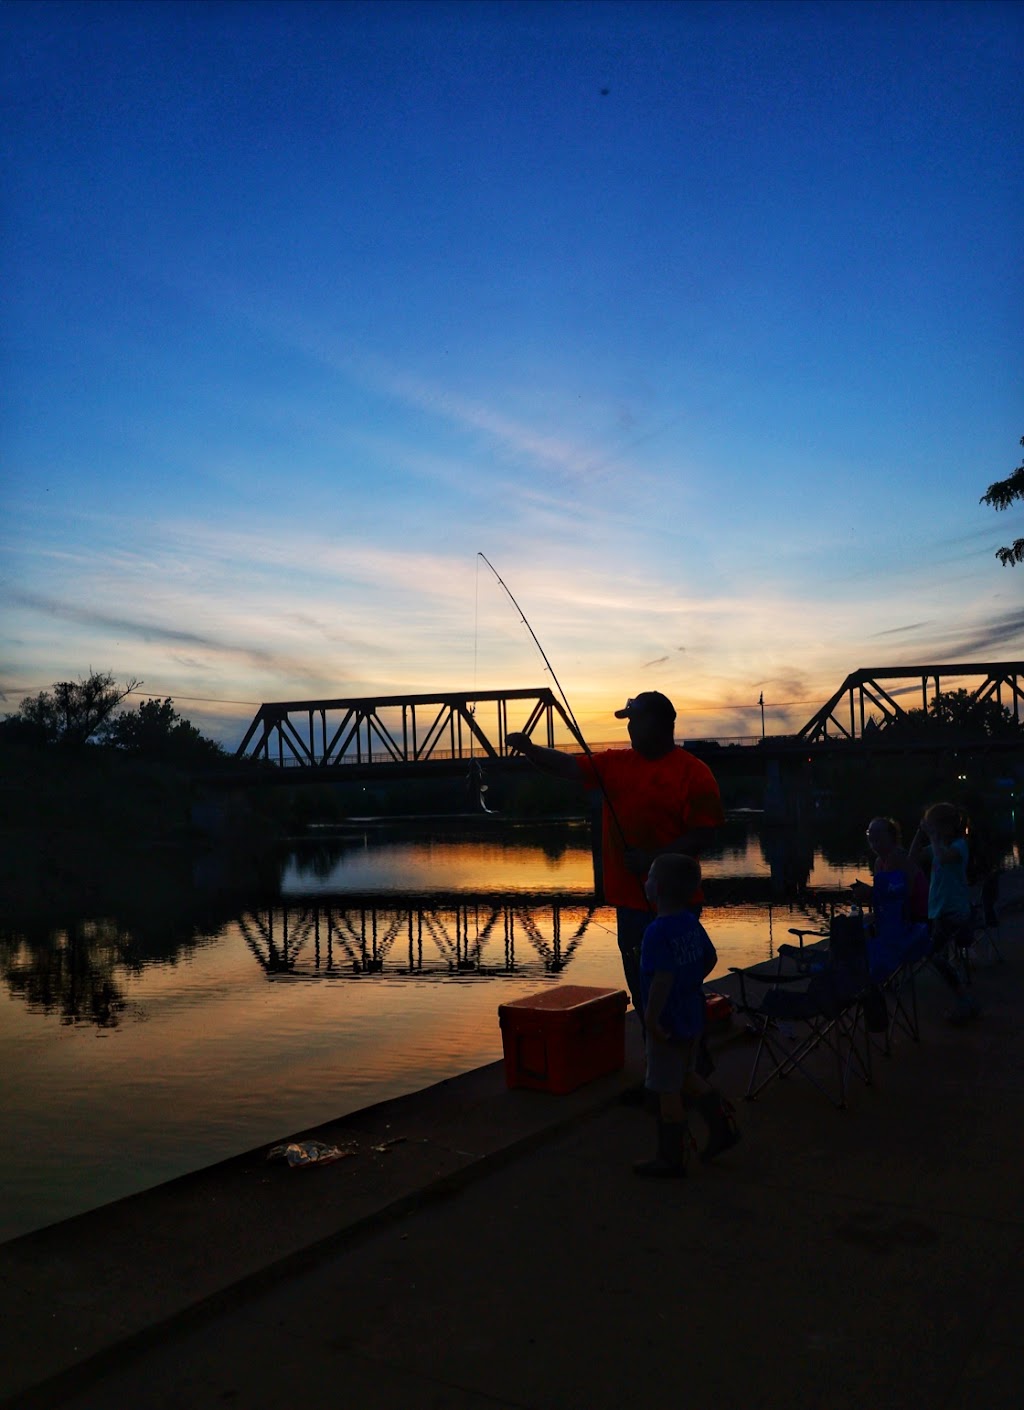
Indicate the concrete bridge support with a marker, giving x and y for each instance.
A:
(788, 790)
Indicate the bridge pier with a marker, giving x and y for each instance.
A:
(788, 790)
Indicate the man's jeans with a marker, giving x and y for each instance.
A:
(631, 926)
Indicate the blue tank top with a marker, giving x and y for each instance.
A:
(948, 892)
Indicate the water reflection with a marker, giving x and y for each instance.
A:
(77, 970)
(396, 902)
(70, 974)
(481, 938)
(789, 854)
(417, 861)
(237, 1007)
(410, 903)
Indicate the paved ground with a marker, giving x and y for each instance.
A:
(498, 1252)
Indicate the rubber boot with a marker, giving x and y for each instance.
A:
(673, 1148)
(720, 1116)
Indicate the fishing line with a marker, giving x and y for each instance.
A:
(522, 616)
(475, 770)
(568, 708)
(476, 629)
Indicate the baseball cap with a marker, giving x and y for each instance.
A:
(648, 702)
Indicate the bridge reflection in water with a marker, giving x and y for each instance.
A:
(417, 937)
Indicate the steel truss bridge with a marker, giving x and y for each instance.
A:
(862, 693)
(415, 731)
(429, 734)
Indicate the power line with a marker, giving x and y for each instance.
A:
(768, 705)
(219, 700)
(157, 695)
(193, 699)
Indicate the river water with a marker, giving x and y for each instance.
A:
(136, 1051)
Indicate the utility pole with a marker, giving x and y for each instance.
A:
(760, 701)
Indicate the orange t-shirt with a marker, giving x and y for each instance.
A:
(655, 801)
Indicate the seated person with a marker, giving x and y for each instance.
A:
(898, 897)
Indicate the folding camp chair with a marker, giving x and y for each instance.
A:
(985, 918)
(897, 984)
(811, 997)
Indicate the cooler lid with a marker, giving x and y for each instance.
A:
(562, 997)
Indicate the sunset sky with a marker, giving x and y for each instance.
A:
(702, 321)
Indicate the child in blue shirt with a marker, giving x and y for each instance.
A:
(941, 843)
(675, 958)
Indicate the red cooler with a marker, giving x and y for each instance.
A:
(558, 1039)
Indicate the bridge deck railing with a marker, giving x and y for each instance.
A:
(475, 752)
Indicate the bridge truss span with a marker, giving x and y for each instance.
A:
(424, 937)
(873, 706)
(406, 730)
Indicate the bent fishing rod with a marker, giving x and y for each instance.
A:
(568, 708)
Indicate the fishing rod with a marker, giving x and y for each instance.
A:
(568, 708)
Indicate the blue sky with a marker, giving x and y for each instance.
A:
(703, 322)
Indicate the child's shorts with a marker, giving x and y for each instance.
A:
(669, 1064)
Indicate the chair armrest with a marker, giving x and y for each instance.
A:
(818, 934)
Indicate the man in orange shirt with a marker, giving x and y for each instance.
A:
(657, 798)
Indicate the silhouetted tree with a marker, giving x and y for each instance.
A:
(70, 713)
(1001, 495)
(156, 731)
(959, 712)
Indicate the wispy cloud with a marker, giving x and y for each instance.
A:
(509, 436)
(969, 632)
(141, 627)
(901, 631)
(1007, 629)
(547, 451)
(263, 610)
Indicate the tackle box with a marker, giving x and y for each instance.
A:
(718, 1008)
(557, 1040)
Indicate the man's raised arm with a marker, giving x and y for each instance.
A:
(551, 761)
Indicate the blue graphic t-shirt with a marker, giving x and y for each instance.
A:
(680, 944)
